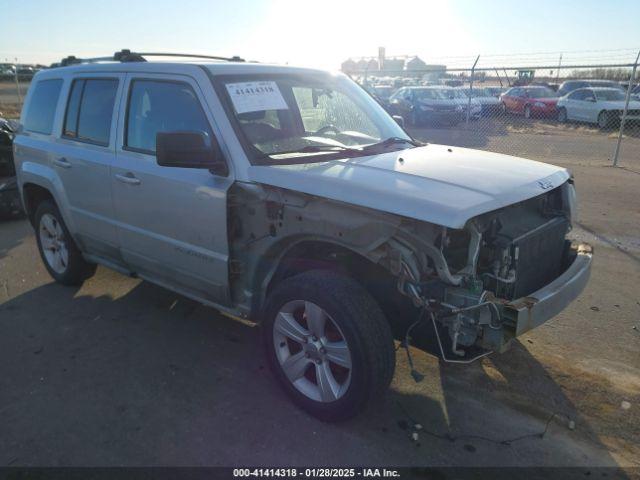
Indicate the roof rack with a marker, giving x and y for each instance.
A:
(127, 55)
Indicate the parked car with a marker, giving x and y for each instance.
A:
(489, 103)
(530, 101)
(495, 91)
(434, 105)
(571, 85)
(7, 132)
(288, 196)
(602, 106)
(383, 93)
(10, 206)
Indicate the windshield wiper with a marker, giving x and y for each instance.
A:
(390, 141)
(314, 149)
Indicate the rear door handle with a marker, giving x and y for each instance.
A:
(62, 162)
(128, 178)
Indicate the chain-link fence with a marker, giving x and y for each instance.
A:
(565, 113)
(14, 82)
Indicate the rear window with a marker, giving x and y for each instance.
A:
(90, 110)
(42, 107)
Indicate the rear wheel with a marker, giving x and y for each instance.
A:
(604, 120)
(562, 115)
(60, 255)
(328, 344)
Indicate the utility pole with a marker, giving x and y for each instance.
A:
(471, 88)
(624, 112)
(498, 75)
(17, 83)
(558, 72)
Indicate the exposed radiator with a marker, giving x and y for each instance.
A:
(540, 254)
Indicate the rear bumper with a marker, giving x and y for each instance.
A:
(534, 310)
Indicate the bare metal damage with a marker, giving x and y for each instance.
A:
(268, 225)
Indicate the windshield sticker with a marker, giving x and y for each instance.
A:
(256, 96)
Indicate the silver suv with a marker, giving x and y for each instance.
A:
(289, 197)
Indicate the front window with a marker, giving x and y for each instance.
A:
(288, 118)
(613, 95)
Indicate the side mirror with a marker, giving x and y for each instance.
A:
(399, 120)
(189, 150)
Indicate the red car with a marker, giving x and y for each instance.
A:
(530, 101)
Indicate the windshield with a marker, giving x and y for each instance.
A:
(610, 95)
(438, 93)
(293, 117)
(541, 92)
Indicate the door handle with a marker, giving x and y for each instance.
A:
(128, 178)
(62, 162)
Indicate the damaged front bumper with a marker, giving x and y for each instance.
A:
(526, 313)
(532, 311)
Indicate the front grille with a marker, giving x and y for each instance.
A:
(540, 254)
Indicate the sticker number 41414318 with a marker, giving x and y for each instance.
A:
(256, 96)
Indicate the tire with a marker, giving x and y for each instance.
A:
(351, 318)
(58, 251)
(527, 112)
(604, 120)
(562, 115)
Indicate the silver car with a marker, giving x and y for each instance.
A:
(289, 197)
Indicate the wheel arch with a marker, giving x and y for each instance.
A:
(294, 256)
(33, 195)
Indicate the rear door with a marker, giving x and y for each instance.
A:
(83, 159)
(172, 221)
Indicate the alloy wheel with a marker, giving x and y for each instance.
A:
(54, 246)
(312, 351)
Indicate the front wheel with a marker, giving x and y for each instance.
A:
(60, 255)
(562, 115)
(328, 343)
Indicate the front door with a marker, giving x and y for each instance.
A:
(172, 221)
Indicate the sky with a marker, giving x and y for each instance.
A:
(324, 33)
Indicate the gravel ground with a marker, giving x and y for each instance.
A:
(121, 372)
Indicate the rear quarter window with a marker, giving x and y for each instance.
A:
(42, 106)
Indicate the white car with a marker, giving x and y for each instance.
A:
(602, 106)
(489, 102)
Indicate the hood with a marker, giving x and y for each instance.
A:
(435, 183)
